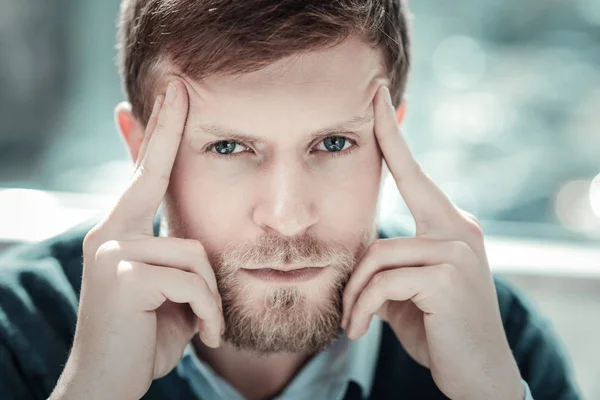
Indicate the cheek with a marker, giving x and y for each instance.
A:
(351, 188)
(207, 200)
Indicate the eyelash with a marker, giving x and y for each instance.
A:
(334, 154)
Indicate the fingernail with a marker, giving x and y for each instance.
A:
(171, 93)
(209, 339)
(157, 104)
(217, 342)
(388, 96)
(350, 332)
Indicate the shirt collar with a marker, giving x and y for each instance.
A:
(363, 356)
(343, 361)
(326, 375)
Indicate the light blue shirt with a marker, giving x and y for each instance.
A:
(325, 376)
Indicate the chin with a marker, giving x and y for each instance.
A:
(267, 317)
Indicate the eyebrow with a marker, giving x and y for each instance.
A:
(232, 134)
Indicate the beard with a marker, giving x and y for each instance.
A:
(271, 318)
(287, 319)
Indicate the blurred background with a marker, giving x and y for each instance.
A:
(503, 113)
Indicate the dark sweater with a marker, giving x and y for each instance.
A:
(39, 291)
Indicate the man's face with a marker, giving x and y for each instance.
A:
(301, 190)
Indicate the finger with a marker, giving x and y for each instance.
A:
(156, 284)
(401, 284)
(402, 252)
(184, 254)
(166, 137)
(428, 204)
(150, 126)
(140, 201)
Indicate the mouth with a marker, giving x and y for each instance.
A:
(284, 274)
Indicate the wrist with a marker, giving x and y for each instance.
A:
(514, 383)
(503, 382)
(506, 385)
(506, 381)
(77, 383)
(500, 390)
(68, 388)
(515, 391)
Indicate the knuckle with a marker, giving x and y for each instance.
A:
(446, 277)
(358, 307)
(126, 273)
(374, 250)
(475, 220)
(414, 172)
(201, 286)
(474, 227)
(197, 247)
(143, 172)
(376, 287)
(92, 240)
(197, 281)
(160, 127)
(138, 171)
(378, 279)
(375, 246)
(109, 251)
(417, 170)
(149, 173)
(212, 308)
(459, 250)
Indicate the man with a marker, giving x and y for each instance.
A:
(262, 128)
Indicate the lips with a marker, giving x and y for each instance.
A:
(282, 275)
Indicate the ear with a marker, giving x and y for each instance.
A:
(131, 129)
(400, 112)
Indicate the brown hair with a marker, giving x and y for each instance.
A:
(208, 37)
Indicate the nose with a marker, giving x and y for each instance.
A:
(287, 204)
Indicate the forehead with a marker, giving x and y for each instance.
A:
(313, 88)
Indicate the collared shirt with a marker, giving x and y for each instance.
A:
(43, 279)
(325, 376)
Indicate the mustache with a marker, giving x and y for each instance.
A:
(271, 251)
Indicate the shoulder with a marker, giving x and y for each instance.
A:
(56, 262)
(39, 291)
(529, 333)
(539, 354)
(541, 357)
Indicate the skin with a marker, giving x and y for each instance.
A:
(435, 289)
(287, 190)
(281, 189)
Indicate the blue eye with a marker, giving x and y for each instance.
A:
(332, 145)
(227, 147)
(335, 144)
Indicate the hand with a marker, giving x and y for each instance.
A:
(435, 289)
(142, 297)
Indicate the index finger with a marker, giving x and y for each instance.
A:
(427, 203)
(141, 199)
(150, 126)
